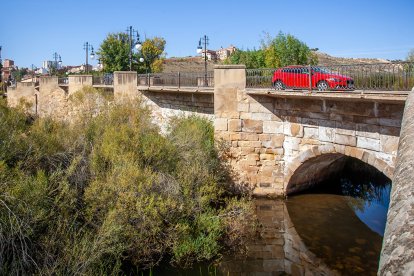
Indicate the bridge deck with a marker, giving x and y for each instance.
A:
(166, 89)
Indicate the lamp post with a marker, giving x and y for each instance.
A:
(204, 40)
(87, 46)
(58, 60)
(33, 72)
(131, 33)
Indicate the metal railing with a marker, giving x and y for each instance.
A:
(392, 76)
(180, 79)
(106, 79)
(63, 81)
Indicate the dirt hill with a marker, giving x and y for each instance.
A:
(196, 64)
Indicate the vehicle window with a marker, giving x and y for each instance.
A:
(305, 70)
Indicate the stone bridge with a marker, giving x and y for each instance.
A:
(279, 142)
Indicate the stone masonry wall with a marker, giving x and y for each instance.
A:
(165, 106)
(270, 137)
(397, 255)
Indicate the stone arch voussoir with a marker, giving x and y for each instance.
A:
(361, 154)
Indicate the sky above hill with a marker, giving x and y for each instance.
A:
(31, 31)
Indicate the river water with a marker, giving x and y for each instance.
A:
(334, 229)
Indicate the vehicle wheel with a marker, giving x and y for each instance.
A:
(278, 85)
(323, 86)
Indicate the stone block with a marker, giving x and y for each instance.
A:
(243, 107)
(278, 140)
(345, 128)
(234, 125)
(249, 125)
(368, 143)
(235, 136)
(266, 156)
(310, 132)
(246, 151)
(273, 127)
(245, 115)
(220, 124)
(253, 156)
(326, 134)
(249, 136)
(389, 144)
(264, 137)
(369, 131)
(261, 116)
(293, 129)
(253, 144)
(347, 140)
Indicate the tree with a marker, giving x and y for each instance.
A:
(285, 49)
(114, 54)
(153, 53)
(276, 52)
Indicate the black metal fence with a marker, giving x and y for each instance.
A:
(106, 79)
(180, 79)
(63, 81)
(393, 76)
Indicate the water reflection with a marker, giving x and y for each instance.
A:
(345, 218)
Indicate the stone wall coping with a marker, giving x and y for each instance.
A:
(126, 72)
(80, 75)
(230, 66)
(379, 96)
(184, 90)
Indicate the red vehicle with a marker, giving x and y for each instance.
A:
(297, 77)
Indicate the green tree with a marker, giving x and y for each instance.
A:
(283, 50)
(153, 53)
(114, 54)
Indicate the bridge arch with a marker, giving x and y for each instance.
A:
(318, 162)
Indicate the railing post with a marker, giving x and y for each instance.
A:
(179, 79)
(310, 78)
(148, 79)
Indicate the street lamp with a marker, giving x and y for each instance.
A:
(33, 72)
(204, 40)
(131, 34)
(87, 46)
(58, 60)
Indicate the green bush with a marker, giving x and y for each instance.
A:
(86, 198)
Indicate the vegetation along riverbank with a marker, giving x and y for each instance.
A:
(110, 190)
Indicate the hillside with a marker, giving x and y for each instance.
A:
(196, 64)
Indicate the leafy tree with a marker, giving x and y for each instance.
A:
(283, 50)
(19, 73)
(114, 53)
(153, 53)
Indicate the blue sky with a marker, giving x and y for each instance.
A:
(31, 31)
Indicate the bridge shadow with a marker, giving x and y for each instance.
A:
(350, 116)
(186, 101)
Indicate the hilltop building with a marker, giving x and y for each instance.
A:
(220, 54)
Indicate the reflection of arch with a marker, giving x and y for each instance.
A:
(325, 160)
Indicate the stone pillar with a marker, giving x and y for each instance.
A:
(77, 82)
(125, 86)
(397, 255)
(23, 93)
(52, 100)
